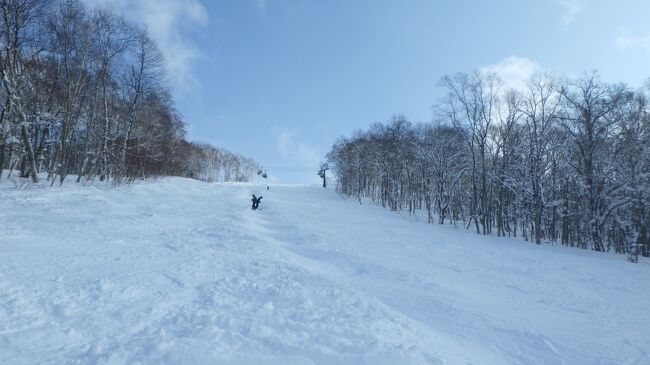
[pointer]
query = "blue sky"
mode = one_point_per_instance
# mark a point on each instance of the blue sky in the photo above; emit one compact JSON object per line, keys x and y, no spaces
{"x":280,"y":80}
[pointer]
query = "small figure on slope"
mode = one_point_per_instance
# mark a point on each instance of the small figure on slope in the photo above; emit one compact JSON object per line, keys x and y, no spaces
{"x":256,"y":202}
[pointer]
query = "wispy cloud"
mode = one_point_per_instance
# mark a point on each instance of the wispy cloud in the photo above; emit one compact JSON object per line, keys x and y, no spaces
{"x":571,"y":9}
{"x":627,"y":41}
{"x":295,"y":151}
{"x":514,"y":71}
{"x":167,"y":20}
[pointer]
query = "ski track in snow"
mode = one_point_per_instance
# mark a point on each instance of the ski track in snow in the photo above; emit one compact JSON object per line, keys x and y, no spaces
{"x":182,"y":272}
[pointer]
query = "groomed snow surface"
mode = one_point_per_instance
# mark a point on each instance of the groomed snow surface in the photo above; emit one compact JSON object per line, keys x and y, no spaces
{"x":183,"y":272}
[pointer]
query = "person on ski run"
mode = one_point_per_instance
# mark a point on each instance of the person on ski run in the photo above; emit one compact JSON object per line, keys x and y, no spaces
{"x":256,"y":202}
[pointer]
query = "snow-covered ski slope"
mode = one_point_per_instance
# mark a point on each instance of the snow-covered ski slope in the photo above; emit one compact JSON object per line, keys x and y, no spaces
{"x":182,"y":272}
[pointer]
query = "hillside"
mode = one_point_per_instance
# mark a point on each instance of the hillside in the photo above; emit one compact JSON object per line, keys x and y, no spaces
{"x":182,"y":272}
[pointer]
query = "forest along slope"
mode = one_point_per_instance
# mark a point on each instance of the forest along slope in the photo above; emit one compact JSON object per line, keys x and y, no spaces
{"x":178,"y":271}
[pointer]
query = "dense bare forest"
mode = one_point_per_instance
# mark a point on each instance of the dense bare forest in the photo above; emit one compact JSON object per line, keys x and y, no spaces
{"x":84,"y":93}
{"x":561,"y":161}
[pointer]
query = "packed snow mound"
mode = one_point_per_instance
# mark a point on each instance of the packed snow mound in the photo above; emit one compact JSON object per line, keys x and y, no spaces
{"x":182,"y":272}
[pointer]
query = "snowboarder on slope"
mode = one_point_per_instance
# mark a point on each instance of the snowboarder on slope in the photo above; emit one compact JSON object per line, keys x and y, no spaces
{"x":256,"y":202}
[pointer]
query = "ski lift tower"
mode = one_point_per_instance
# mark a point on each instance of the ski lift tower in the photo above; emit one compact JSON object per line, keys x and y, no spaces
{"x":323,"y":167}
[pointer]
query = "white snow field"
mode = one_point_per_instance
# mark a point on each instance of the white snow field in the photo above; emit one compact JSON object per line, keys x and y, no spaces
{"x":183,"y":272}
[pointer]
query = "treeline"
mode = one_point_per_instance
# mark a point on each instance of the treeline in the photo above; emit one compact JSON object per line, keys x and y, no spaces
{"x":564,"y":161}
{"x":83,"y":92}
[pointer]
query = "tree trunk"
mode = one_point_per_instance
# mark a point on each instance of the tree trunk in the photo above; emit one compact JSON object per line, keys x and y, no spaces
{"x":31,"y":160}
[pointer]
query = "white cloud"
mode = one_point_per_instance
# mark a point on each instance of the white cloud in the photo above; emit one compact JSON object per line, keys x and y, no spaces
{"x":166,"y":20}
{"x":626,"y":41}
{"x":572,"y":8}
{"x":284,"y":140}
{"x":293,"y":150}
{"x":513,"y":71}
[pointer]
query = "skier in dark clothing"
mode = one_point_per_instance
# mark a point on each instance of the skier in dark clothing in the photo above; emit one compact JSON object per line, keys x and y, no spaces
{"x":256,"y":202}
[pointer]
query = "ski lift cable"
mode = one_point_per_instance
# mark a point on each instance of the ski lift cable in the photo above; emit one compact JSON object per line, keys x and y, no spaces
{"x":288,"y":168}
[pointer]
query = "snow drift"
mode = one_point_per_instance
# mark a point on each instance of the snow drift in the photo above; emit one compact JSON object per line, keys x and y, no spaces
{"x":182,"y":272}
